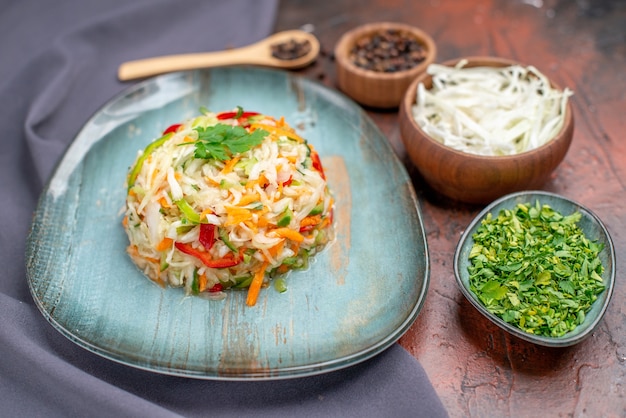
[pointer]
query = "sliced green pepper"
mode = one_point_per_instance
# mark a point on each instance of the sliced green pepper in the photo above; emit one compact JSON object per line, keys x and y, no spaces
{"x":243,"y":282}
{"x":184,"y":229}
{"x":285,"y":217}
{"x":317,"y":209}
{"x":247,"y":255}
{"x":189,"y":213}
{"x":280,"y":285}
{"x":164,"y":264}
{"x":226,"y":284}
{"x":223,"y":233}
{"x":132,"y":177}
{"x":290,"y":261}
{"x":195,"y":285}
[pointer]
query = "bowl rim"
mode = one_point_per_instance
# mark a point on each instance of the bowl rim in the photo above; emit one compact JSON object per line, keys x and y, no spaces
{"x":410,"y":97}
{"x":609,"y":275}
{"x":342,"y":48}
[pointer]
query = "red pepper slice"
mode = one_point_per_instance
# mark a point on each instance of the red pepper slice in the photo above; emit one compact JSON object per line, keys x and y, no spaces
{"x":207,"y":235}
{"x":317,"y":163}
{"x":307,"y":228}
{"x":172,"y":128}
{"x":288,"y":182}
{"x":231,"y":115}
{"x":228,"y":260}
{"x":217,"y":288}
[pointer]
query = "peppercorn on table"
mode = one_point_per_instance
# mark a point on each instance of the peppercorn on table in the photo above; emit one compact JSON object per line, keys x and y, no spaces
{"x":476,"y":368}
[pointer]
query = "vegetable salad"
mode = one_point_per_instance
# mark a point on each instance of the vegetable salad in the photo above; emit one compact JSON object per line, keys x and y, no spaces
{"x":227,"y":201}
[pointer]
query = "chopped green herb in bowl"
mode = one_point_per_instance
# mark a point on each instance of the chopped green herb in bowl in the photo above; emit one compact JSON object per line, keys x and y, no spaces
{"x":538,"y":265}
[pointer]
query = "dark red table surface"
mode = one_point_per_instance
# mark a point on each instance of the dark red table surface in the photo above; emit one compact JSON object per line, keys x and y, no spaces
{"x":477,"y":369}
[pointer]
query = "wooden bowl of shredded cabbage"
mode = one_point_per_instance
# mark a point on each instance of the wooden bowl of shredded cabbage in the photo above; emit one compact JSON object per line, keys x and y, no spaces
{"x":478,"y":128}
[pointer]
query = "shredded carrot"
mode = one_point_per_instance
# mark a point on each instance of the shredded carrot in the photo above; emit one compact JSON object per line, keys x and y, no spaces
{"x":325,"y":222}
{"x":164,"y":244}
{"x":134,"y":251}
{"x":249,"y":198}
{"x":159,"y":280}
{"x":125,"y":221}
{"x":188,"y":139}
{"x":230,"y":164}
{"x":212,"y":182}
{"x":278,"y":131}
{"x":164,"y":203}
{"x":178,"y":175}
{"x":281,"y":122}
{"x":311,"y":220}
{"x":155,"y":173}
{"x":252,"y":226}
{"x":236,"y":215}
{"x":261,"y":181}
{"x":204,"y":213}
{"x":255,"y":285}
{"x":289,"y":234}
{"x":202,"y":282}
{"x":272,"y":253}
{"x":276,"y":249}
{"x":262,"y":222}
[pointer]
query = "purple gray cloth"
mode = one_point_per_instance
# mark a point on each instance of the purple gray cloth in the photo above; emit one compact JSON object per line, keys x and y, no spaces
{"x":58,"y":65}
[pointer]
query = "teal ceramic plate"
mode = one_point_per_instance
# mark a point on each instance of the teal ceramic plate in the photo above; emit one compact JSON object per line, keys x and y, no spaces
{"x":356,"y":299}
{"x":594,"y":230}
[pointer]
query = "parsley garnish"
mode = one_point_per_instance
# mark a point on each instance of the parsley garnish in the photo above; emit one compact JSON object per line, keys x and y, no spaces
{"x":221,"y":142}
{"x":535,"y":269}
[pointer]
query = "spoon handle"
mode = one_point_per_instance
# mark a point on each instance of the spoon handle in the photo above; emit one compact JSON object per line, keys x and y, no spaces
{"x":159,"y":65}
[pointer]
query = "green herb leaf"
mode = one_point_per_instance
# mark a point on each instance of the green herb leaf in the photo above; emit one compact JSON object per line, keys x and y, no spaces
{"x":222,"y":142}
{"x":567,"y":286}
{"x":543,"y":278}
{"x":493,"y":290}
{"x":535,"y":269}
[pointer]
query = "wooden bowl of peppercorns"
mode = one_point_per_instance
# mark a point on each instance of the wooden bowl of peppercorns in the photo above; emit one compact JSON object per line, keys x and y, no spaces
{"x":376,"y":62}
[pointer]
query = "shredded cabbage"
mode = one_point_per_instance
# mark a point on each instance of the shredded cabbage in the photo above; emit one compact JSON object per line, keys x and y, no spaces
{"x":490,"y":111}
{"x":268,"y":209}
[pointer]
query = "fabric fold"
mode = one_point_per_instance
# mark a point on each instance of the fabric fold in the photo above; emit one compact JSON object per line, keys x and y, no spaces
{"x":59,"y":64}
{"x":74,"y":382}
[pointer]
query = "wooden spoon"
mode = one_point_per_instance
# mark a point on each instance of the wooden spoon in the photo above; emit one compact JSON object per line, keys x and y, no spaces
{"x":259,"y":53}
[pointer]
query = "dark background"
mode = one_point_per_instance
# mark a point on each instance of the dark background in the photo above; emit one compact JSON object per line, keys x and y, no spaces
{"x":477,"y":369}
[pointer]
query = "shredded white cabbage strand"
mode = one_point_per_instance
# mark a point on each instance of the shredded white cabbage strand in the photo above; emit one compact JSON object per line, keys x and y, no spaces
{"x":490,"y":111}
{"x":210,"y":224}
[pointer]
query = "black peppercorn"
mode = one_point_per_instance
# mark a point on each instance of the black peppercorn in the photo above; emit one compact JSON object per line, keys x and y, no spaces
{"x":388,"y":51}
{"x":291,"y":49}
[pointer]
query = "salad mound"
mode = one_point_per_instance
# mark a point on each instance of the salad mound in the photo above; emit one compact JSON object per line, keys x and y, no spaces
{"x":227,"y":200}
